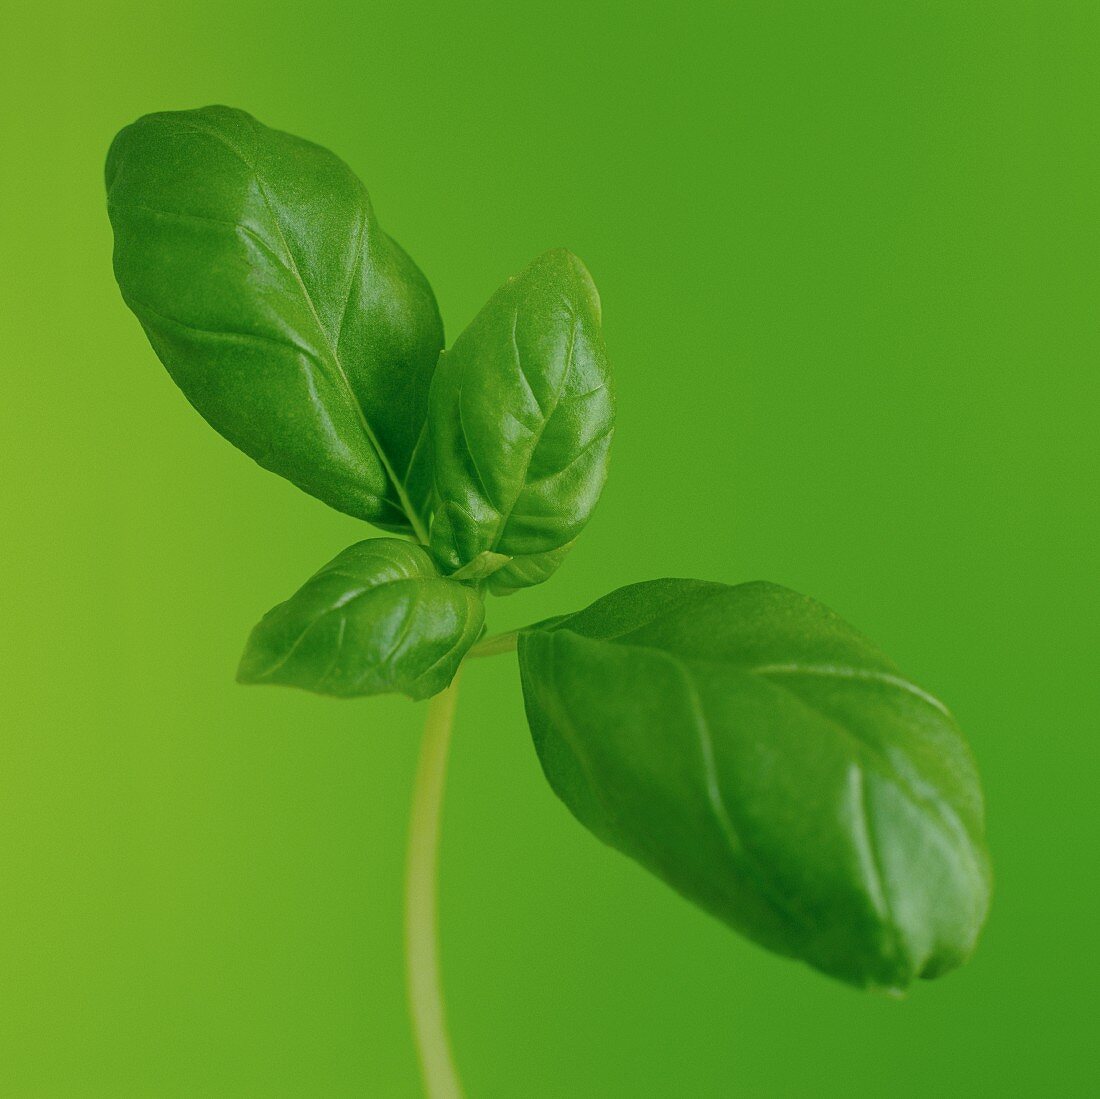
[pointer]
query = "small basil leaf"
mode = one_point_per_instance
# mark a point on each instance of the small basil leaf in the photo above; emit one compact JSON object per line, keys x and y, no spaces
{"x":482,"y":566}
{"x":377,"y":618}
{"x":764,"y":759}
{"x":520,"y":422}
{"x":290,"y":320}
{"x":528,"y":570}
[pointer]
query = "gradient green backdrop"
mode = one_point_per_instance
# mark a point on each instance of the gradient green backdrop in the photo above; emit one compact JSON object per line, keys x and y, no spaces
{"x":849,"y":261}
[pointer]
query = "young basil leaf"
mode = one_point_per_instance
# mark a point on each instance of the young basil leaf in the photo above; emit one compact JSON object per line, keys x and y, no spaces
{"x":520,"y":424}
{"x":290,"y":320}
{"x":763,"y":758}
{"x":482,"y":566}
{"x":377,"y":618}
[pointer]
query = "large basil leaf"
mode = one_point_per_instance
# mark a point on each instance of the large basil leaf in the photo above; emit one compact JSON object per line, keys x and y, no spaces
{"x":292,"y":322}
{"x":520,"y":425}
{"x":377,"y":618}
{"x":759,"y":755}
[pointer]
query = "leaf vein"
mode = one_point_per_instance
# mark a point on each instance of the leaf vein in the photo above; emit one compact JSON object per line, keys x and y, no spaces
{"x":841,"y":671}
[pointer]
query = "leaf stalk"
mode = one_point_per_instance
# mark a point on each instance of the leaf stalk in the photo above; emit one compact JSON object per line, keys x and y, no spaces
{"x":494,"y":646}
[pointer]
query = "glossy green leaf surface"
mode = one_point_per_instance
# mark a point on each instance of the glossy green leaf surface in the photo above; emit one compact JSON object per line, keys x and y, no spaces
{"x":291,"y":321}
{"x":377,"y":618}
{"x":763,"y":758}
{"x":520,"y":425}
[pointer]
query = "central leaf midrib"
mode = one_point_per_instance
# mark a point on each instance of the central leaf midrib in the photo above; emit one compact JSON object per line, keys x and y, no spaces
{"x":723,"y":818}
{"x":391,"y":473}
{"x":502,"y":524}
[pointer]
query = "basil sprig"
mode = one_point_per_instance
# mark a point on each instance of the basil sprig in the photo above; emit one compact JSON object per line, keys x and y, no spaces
{"x":742,"y":743}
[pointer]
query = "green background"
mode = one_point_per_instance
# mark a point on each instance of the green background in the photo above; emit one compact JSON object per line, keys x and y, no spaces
{"x":849,"y":260}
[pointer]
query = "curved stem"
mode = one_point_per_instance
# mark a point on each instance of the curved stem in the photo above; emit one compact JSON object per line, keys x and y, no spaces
{"x":421,"y":924}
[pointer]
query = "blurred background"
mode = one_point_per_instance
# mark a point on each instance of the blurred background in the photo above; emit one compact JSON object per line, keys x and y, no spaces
{"x":849,"y":262}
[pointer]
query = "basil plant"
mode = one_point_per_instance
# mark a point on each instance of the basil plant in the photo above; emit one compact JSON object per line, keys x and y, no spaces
{"x":742,"y":743}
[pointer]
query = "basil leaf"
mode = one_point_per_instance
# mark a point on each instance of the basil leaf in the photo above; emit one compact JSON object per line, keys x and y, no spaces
{"x":520,"y":425}
{"x":377,"y":618}
{"x":764,"y":759}
{"x":290,"y":320}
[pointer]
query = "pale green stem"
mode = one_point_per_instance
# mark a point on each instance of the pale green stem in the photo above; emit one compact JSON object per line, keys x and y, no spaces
{"x":492,"y":646}
{"x":422,"y":975}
